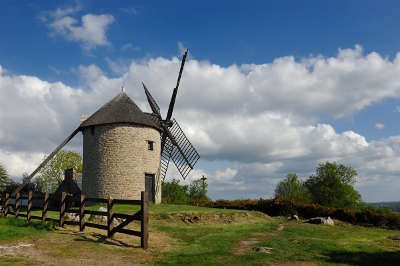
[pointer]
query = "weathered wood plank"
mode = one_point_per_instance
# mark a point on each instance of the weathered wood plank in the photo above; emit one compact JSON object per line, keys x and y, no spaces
{"x":98,"y":226}
{"x":127,"y":202}
{"x":145,"y":220}
{"x":6,"y":204}
{"x":45,"y":206}
{"x":110,"y":216}
{"x":29,"y":210}
{"x":82,"y":213}
{"x":62,"y":208}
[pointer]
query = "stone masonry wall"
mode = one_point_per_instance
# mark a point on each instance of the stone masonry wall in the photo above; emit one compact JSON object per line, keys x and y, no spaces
{"x":116,"y":158}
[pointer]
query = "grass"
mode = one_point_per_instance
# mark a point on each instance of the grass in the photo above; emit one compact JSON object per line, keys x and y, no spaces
{"x":213,"y":240}
{"x":12,"y":228}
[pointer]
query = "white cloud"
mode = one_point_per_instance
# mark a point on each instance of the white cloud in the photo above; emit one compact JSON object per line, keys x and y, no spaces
{"x":129,"y":10}
{"x":90,"y":31}
{"x":261,"y":121}
{"x":129,"y":46}
{"x":379,"y":126}
{"x":181,"y":48}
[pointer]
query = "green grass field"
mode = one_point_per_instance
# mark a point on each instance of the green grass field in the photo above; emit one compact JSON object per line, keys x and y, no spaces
{"x":208,"y":237}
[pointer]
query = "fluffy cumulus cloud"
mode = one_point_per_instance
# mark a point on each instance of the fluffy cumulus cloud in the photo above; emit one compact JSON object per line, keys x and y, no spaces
{"x":90,"y":30}
{"x":379,"y":126}
{"x":252,"y":124}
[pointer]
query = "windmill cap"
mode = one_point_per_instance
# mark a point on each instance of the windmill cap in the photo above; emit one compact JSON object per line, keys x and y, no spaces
{"x":121,"y":109}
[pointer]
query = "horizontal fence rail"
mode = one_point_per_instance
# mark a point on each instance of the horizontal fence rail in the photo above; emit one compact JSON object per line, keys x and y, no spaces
{"x":48,"y":201}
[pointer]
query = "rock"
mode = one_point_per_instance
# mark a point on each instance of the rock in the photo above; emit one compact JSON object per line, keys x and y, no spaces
{"x":321,"y":220}
{"x":293,"y":217}
{"x":72,"y":217}
{"x":102,"y":209}
{"x":265,"y":250}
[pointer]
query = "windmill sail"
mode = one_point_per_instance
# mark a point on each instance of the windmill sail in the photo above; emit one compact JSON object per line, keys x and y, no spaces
{"x":65,"y":142}
{"x":153,"y":104}
{"x":165,"y":158}
{"x":174,"y":143}
{"x":183,"y":154}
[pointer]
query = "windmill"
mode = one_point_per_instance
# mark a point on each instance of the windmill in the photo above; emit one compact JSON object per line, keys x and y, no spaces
{"x":174,"y":143}
{"x":124,"y":148}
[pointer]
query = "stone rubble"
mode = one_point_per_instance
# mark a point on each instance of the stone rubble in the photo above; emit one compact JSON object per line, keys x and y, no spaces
{"x":321,"y":220}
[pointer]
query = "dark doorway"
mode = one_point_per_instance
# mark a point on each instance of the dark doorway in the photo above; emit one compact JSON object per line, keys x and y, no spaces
{"x":150,"y":186}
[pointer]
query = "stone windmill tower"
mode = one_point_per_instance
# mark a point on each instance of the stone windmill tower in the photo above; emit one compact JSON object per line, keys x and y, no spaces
{"x":126,"y":151}
{"x":121,"y":150}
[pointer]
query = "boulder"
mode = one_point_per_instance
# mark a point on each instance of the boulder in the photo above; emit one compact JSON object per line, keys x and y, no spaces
{"x":395,"y":238}
{"x":102,"y":209}
{"x":321,"y":220}
{"x":294,"y":217}
{"x":265,"y":250}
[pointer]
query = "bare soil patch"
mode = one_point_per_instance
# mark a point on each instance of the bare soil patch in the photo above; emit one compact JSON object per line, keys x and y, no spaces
{"x":69,"y":247}
{"x":213,"y":218}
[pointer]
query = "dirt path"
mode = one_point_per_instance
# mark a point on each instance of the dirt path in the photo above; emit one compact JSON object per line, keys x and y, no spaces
{"x":246,"y":245}
{"x":68,"y":247}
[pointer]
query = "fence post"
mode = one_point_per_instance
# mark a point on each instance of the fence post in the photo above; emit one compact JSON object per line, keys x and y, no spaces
{"x":17,"y":203}
{"x":29,"y":210}
{"x":110,"y":216}
{"x":144,"y":221}
{"x":62,"y":208}
{"x":45,"y":206}
{"x":82,"y":213}
{"x":6,"y":203}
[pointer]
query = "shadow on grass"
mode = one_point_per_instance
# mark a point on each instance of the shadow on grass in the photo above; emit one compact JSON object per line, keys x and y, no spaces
{"x":365,"y":258}
{"x":99,"y":238}
{"x":18,"y":222}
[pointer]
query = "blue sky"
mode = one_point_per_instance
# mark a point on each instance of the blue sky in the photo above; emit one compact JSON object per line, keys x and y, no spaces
{"x":124,"y":40}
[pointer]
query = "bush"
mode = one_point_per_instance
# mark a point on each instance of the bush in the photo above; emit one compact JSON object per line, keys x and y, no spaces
{"x":291,"y":188}
{"x":277,"y":207}
{"x":173,"y":192}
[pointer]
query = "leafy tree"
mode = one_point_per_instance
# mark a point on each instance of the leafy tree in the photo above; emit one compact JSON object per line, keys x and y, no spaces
{"x":332,"y":185}
{"x":52,"y":174}
{"x":291,"y":188}
{"x":198,"y":190}
{"x":4,"y":180}
{"x":173,"y":192}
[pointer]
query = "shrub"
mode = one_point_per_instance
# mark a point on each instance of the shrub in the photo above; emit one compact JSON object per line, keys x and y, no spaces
{"x":277,"y":207}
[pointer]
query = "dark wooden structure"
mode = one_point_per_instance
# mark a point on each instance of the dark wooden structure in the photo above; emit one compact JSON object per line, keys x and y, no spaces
{"x":142,"y":215}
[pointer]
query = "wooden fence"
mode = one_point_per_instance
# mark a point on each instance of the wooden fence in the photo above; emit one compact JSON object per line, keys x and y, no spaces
{"x":141,"y":215}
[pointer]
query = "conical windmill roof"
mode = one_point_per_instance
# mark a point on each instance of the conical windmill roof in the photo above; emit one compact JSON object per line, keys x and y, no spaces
{"x":121,"y":109}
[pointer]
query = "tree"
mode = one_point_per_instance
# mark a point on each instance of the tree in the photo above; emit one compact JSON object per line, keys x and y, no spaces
{"x":291,"y":188}
{"x":4,"y":180}
{"x":52,"y":174}
{"x":173,"y":192}
{"x":332,"y":185}
{"x":198,"y":190}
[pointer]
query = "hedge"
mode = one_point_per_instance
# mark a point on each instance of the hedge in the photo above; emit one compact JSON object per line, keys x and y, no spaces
{"x":276,"y":207}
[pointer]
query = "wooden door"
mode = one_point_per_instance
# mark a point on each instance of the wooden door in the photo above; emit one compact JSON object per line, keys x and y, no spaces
{"x":150,"y":186}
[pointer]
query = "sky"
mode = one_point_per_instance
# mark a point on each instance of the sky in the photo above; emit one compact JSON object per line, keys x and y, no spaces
{"x":269,"y":88}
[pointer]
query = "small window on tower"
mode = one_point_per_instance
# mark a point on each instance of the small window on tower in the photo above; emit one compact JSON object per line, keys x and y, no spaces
{"x":150,"y":145}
